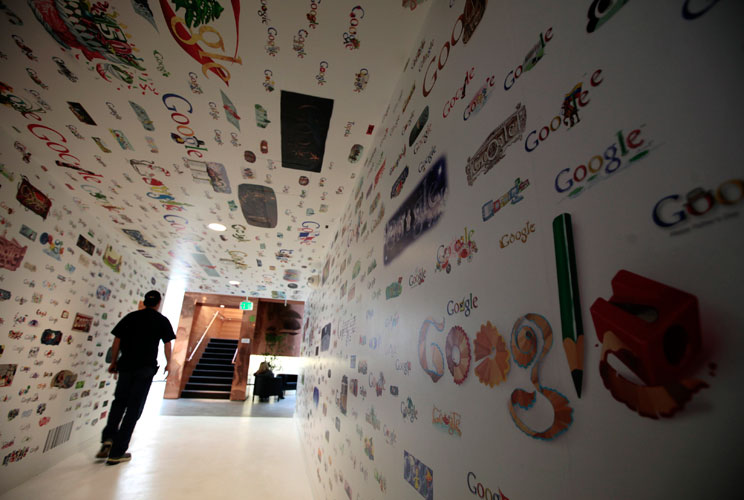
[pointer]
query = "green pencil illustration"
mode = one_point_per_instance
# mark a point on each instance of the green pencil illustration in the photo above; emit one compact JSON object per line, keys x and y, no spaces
{"x":568,"y":295}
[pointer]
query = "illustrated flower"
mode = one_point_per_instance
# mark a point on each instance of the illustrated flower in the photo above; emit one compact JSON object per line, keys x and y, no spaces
{"x":491,"y":347}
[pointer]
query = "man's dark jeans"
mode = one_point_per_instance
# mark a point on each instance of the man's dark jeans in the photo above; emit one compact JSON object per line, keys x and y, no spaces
{"x":129,"y":400}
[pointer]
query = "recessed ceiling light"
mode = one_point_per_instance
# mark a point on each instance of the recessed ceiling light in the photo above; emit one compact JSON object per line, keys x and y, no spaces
{"x":222,"y":305}
{"x":214,"y":226}
{"x":234,"y":282}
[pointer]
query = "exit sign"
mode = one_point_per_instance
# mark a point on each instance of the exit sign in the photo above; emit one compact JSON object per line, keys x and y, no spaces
{"x":246,"y":306}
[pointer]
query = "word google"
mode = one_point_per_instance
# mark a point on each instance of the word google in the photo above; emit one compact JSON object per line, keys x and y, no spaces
{"x":699,"y":202}
{"x":531,"y":143}
{"x":520,"y":235}
{"x":440,"y":65}
{"x":480,"y":491}
{"x":564,"y":181}
{"x":512,"y":196}
{"x":459,"y":94}
{"x":350,"y":39}
{"x":191,"y":142}
{"x":463,"y":306}
{"x":532,"y":58}
{"x":189,"y":41}
{"x":479,"y":99}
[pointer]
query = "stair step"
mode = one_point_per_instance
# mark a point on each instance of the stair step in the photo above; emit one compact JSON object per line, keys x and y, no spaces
{"x":199,"y":372}
{"x":218,"y":350}
{"x":218,"y":356}
{"x":195,"y":386}
{"x":205,"y":394}
{"x":225,"y":342}
{"x":203,"y":379}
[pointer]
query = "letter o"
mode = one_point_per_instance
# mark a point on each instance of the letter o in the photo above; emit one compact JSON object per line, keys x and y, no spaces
{"x":452,"y":34}
{"x":722,"y":199}
{"x":481,"y":491}
{"x":63,"y":150}
{"x":441,"y":64}
{"x":553,"y":120}
{"x":173,"y":117}
{"x":518,"y":71}
{"x":184,"y":133}
{"x":592,"y":170}
{"x":547,"y":133}
{"x":575,"y":175}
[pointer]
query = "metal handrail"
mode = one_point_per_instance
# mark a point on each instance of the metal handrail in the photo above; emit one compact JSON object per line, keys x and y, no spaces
{"x":217,"y":313}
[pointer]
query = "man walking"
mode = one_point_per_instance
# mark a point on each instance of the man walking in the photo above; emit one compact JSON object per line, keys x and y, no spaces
{"x":137,"y":336}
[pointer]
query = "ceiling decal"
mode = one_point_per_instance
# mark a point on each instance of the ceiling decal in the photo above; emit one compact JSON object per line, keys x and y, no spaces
{"x":305,"y":121}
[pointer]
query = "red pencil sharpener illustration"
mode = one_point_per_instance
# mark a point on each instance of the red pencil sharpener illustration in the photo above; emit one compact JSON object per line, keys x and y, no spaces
{"x":659,"y":325}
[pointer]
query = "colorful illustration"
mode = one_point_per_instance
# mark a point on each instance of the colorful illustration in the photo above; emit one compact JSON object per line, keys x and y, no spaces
{"x":64,"y":379}
{"x":490,"y":347}
{"x":11,"y":253}
{"x":418,"y":475}
{"x":231,"y":112}
{"x":258,"y":204}
{"x":437,"y":356}
{"x":524,"y":341}
{"x":654,"y":330}
{"x":568,"y":294}
{"x":512,"y":197}
{"x":51,"y":337}
{"x":33,"y":199}
{"x":418,"y":213}
{"x":82,"y":323}
{"x":112,"y":259}
{"x":449,"y":422}
{"x":493,"y":149}
{"x":462,"y":248}
{"x":85,"y":245}
{"x":7,"y":373}
{"x":325,"y":337}
{"x":142,"y":116}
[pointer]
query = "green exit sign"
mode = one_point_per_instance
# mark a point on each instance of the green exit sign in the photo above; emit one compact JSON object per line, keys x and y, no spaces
{"x":246,"y":306}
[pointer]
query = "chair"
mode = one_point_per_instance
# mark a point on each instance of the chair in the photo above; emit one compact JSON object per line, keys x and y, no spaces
{"x":290,"y":381}
{"x":266,"y":386}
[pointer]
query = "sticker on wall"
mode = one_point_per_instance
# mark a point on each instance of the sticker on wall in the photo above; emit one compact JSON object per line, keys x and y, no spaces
{"x":7,"y":373}
{"x":79,"y":111}
{"x":142,"y":116}
{"x":305,"y":121}
{"x":231,"y":112}
{"x":121,"y":139}
{"x":493,"y":149}
{"x":112,"y":259}
{"x":418,"y":475}
{"x":461,"y":248}
{"x":209,"y":171}
{"x":512,"y":197}
{"x":51,"y":337}
{"x":600,"y":11}
{"x":448,"y":422}
{"x":491,"y":351}
{"x":325,"y":337}
{"x":355,"y":153}
{"x":33,"y":199}
{"x":103,"y":293}
{"x":27,"y":232}
{"x":418,"y":213}
{"x":457,"y":350}
{"x":262,"y":118}
{"x":196,"y":14}
{"x":82,"y":323}
{"x":524,"y":341}
{"x":258,"y":204}
{"x":64,"y":379}
{"x":654,"y":331}
{"x":437,"y":356}
{"x":11,"y":253}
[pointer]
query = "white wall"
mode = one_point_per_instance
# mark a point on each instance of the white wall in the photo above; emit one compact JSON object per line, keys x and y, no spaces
{"x":672,"y":78}
{"x":68,"y":284}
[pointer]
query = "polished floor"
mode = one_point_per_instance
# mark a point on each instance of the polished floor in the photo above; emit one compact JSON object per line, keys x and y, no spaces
{"x":228,"y":454}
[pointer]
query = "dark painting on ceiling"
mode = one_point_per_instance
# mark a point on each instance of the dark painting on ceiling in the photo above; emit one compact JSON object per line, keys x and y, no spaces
{"x":305,"y":120}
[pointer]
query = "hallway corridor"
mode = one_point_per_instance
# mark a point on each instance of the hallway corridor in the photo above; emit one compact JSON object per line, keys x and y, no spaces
{"x":185,"y":457}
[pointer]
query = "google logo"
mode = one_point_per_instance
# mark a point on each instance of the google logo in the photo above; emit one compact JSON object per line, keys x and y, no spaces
{"x":607,"y":162}
{"x":481,"y":491}
{"x":532,"y":142}
{"x":699,"y":202}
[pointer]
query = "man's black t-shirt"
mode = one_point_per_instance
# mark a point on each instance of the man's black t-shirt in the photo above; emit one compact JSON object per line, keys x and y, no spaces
{"x":140,"y":332}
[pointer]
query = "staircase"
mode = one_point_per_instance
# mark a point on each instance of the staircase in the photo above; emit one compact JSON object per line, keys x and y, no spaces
{"x":212,"y":377}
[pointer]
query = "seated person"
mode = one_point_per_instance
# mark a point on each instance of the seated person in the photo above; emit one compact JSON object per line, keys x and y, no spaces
{"x":265,"y":371}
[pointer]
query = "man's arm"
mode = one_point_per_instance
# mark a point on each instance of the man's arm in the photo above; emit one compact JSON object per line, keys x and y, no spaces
{"x":114,"y":355}
{"x":167,"y":351}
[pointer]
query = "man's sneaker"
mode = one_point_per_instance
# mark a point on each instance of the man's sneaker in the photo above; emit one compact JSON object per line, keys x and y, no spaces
{"x":105,"y":449}
{"x":117,"y":460}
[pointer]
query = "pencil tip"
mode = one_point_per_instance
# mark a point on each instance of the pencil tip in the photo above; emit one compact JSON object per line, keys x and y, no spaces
{"x":577,"y":376}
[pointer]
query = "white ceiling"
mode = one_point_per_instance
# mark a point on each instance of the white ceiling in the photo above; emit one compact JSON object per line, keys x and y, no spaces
{"x":386,"y":31}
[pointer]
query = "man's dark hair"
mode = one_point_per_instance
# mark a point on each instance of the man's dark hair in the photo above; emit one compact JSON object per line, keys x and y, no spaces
{"x":152,"y":298}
